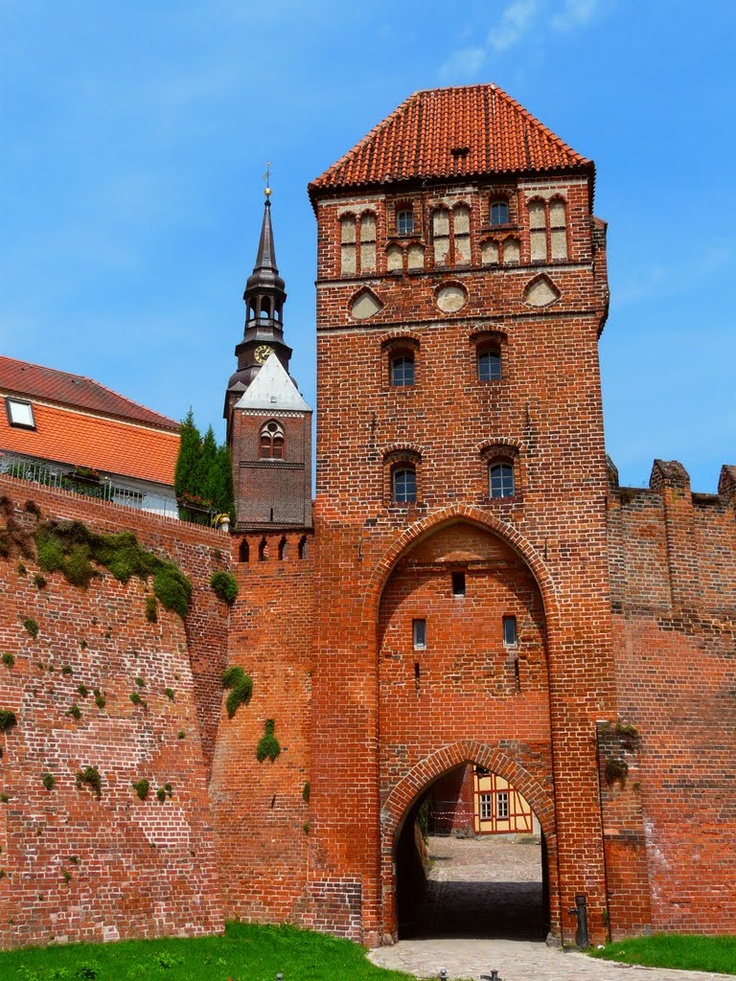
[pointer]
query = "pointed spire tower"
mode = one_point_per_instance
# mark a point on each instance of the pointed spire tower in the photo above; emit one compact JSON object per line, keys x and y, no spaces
{"x":269,"y":425}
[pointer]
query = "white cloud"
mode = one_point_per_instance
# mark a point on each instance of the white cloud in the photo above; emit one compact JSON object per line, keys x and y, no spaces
{"x":463,"y":64}
{"x":517,"y":18}
{"x":575,"y":13}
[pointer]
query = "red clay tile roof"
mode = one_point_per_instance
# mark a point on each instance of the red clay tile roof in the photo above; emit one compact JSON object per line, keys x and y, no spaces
{"x":32,"y":381}
{"x":63,"y":435}
{"x":81,"y":423}
{"x":488,"y":131}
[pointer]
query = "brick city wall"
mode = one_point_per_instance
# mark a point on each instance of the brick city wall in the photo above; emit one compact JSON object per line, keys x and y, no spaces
{"x":261,"y":808}
{"x":79,"y":866}
{"x":673,"y":577}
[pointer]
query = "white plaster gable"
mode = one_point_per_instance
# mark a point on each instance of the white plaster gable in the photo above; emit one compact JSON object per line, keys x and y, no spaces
{"x":272,"y":389}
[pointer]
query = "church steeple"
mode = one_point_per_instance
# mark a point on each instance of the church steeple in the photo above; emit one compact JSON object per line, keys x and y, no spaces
{"x":264,"y":298}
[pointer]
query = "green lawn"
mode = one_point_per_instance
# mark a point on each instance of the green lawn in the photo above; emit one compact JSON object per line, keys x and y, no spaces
{"x":684,"y":951}
{"x":244,"y":953}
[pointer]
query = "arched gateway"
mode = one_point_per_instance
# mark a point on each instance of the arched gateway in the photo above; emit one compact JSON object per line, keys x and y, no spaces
{"x":462,"y":674}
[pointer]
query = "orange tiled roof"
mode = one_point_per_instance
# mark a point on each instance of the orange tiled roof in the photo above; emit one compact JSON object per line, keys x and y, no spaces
{"x":63,"y":435}
{"x":32,"y":381}
{"x":488,"y":131}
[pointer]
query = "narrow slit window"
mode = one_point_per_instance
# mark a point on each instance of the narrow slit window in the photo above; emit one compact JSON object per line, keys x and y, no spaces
{"x":509,"y":631}
{"x":419,"y":634}
{"x":458,"y":584}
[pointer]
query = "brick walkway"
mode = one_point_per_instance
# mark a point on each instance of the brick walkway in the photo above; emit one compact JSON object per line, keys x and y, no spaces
{"x":483,"y":912}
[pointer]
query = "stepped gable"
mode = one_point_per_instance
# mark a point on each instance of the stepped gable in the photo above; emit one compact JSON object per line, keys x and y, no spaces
{"x":34,"y":381}
{"x":445,"y":133}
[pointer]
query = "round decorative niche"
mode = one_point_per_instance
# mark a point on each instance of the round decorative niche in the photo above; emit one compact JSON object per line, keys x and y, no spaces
{"x":451,"y":297}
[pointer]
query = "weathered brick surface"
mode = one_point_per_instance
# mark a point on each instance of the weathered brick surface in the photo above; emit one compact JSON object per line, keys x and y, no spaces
{"x":78,"y":866}
{"x":675,"y":641}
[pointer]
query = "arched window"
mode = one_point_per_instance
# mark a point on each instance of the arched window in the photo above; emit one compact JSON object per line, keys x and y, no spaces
{"x":501,"y":479}
{"x":244,"y":551}
{"x":499,"y":212}
{"x":404,"y":484}
{"x":405,"y":222}
{"x":489,"y":364}
{"x":272,"y":441}
{"x":402,"y":369}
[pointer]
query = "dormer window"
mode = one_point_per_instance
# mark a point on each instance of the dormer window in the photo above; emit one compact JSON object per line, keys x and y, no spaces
{"x":20,"y":413}
{"x":405,"y":222}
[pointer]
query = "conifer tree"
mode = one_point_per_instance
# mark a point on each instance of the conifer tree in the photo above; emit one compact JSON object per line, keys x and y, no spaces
{"x":186,"y":473}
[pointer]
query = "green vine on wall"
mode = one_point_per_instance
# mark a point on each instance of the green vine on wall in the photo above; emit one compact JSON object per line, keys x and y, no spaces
{"x":268,"y":745}
{"x":241,"y":689}
{"x":71,"y":548}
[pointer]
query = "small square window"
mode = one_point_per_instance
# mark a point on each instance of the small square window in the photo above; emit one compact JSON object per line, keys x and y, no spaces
{"x":20,"y":413}
{"x":419,"y":634}
{"x":458,"y":584}
{"x":509,"y":631}
{"x":405,"y":222}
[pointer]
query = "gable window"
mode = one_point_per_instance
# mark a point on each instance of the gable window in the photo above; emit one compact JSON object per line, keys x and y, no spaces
{"x":402,"y":369}
{"x":272,"y":441}
{"x":20,"y":413}
{"x":404,"y":485}
{"x":489,"y":365}
{"x":501,"y":479}
{"x":405,"y":222}
{"x":499,"y":212}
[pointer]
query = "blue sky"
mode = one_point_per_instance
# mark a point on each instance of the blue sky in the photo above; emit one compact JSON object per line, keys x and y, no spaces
{"x":135,"y":137}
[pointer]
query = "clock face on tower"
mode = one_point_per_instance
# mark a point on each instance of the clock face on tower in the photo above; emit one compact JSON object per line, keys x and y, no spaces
{"x":262,"y":352}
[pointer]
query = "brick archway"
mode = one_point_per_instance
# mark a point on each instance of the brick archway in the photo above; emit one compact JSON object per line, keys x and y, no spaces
{"x":423,"y":774}
{"x":450,"y":515}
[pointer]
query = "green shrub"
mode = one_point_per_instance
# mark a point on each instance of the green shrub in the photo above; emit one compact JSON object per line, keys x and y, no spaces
{"x":241,"y":689}
{"x":225,"y":586}
{"x":137,"y":700}
{"x":268,"y":745}
{"x":78,"y":570}
{"x":151,"y":609}
{"x":141,"y":788}
{"x":306,"y":792}
{"x":75,"y":712}
{"x":140,"y":682}
{"x":8,"y":660}
{"x":161,"y":794}
{"x":7,"y":720}
{"x":39,"y":580}
{"x":48,"y":780}
{"x":90,"y":776}
{"x":100,"y":700}
{"x":31,"y":626}
{"x":83,"y":690}
{"x":170,"y":694}
{"x":173,"y":589}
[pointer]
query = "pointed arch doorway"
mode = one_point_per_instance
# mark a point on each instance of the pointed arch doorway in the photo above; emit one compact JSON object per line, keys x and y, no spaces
{"x":452,"y":880}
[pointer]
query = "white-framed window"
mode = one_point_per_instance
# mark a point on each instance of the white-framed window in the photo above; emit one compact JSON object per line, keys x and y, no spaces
{"x":501,"y":479}
{"x":404,"y":485}
{"x":20,"y":413}
{"x":485,"y":806}
{"x":502,"y":805}
{"x":272,"y":441}
{"x":405,"y":222}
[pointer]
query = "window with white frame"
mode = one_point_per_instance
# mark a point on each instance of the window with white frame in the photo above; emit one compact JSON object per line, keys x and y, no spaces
{"x":20,"y":413}
{"x":501,"y":479}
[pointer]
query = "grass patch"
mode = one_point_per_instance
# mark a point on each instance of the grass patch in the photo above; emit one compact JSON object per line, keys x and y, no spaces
{"x":675,"y":950}
{"x":245,"y":953}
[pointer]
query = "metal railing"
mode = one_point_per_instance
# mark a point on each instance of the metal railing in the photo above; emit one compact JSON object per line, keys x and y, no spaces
{"x":85,"y":482}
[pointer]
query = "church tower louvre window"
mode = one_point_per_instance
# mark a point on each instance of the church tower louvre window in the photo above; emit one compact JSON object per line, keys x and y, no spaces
{"x":268,"y":421}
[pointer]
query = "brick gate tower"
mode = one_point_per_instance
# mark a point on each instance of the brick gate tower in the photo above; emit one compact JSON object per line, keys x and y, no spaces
{"x":463,"y":613}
